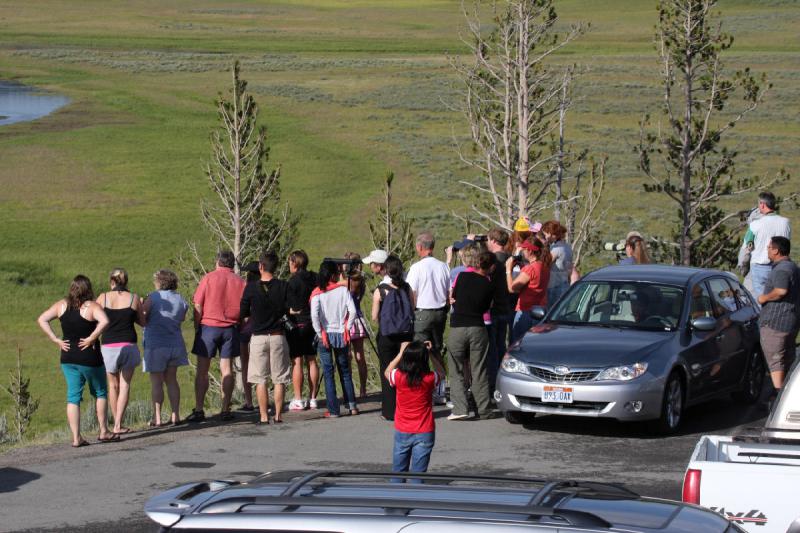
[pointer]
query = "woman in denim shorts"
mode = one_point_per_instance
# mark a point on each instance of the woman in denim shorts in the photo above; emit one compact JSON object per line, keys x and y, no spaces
{"x":164,"y":347}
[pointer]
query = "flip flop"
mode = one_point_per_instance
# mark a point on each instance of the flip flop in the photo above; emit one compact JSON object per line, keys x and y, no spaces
{"x":277,"y":421}
{"x":124,"y":431}
{"x":81,"y":444}
{"x":153,"y":424}
{"x":113,"y":438}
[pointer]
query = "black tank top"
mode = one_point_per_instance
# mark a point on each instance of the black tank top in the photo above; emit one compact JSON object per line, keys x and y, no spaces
{"x":120,"y":324}
{"x":75,"y":328}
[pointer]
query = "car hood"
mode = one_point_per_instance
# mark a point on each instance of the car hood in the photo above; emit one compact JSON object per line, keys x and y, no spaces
{"x":587,"y":346}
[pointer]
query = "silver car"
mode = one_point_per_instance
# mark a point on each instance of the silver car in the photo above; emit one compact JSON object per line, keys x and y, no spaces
{"x":368,"y":502}
{"x":636,"y":342}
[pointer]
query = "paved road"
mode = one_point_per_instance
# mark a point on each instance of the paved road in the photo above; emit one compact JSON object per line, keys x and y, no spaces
{"x":103,"y":487}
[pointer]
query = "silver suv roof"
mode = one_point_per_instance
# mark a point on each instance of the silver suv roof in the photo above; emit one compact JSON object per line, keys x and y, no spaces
{"x":358,"y":501}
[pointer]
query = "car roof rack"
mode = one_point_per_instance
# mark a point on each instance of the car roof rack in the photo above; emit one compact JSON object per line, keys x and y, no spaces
{"x":289,"y":499}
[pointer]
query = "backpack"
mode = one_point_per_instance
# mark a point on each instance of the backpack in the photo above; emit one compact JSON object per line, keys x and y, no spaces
{"x":396,"y":314}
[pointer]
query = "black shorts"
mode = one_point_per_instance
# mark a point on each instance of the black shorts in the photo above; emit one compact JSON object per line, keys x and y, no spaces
{"x":302,"y":341}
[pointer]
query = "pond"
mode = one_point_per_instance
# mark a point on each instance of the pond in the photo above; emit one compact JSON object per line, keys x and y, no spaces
{"x":22,"y":103}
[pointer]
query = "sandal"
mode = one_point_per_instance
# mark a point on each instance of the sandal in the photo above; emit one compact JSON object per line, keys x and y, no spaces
{"x":153,"y":424}
{"x":225,"y":416}
{"x":124,"y":431}
{"x":277,"y":420}
{"x":81,"y":444}
{"x":113,"y":438}
{"x":354,"y":412}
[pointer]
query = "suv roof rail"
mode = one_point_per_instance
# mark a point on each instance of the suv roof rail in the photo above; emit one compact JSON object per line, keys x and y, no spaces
{"x":298,"y":479}
{"x":292,"y":503}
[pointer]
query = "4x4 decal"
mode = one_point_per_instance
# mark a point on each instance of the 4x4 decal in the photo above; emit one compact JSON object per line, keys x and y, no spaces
{"x":753,"y":516}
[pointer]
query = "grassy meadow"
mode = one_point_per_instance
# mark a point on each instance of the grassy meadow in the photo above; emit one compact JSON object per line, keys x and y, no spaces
{"x":349,"y":89}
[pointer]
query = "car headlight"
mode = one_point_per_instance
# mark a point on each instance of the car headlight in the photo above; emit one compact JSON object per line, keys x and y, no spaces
{"x":623,"y":373}
{"x":514,"y":365}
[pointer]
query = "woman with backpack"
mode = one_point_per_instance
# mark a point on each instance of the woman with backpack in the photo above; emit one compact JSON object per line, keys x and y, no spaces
{"x":393,"y":309}
{"x":414,"y":428}
{"x":331,"y":310}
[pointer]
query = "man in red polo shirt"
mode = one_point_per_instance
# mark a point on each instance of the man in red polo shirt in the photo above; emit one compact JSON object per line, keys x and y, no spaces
{"x":216,"y":317}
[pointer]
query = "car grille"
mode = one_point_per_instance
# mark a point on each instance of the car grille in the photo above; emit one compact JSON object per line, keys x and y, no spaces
{"x":584,"y":406}
{"x":572,"y":377}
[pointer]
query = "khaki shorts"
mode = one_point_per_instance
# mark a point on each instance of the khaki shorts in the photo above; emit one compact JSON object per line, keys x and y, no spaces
{"x":778,"y":348}
{"x":269,"y":357}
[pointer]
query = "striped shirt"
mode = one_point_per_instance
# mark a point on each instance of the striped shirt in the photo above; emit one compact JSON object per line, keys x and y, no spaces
{"x":781,"y":315}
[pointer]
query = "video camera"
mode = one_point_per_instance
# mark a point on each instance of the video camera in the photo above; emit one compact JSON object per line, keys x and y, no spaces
{"x":479,"y":238}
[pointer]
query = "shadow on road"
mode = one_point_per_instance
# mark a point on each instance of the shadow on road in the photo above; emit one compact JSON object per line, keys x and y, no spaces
{"x":12,"y":479}
{"x":719,"y":416}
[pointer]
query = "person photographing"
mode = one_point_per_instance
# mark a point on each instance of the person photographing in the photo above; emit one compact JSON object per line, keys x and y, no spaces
{"x":531,"y":283}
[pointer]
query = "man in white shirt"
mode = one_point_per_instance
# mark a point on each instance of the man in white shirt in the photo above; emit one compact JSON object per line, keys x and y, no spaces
{"x":759,"y":234}
{"x":429,"y":278}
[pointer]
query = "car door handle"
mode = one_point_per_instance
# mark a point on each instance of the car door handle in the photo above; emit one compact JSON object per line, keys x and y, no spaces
{"x":720,"y":336}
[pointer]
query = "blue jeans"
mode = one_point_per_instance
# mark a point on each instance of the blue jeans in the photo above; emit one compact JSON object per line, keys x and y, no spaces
{"x":555,"y":293}
{"x":326,"y":355}
{"x":523,"y":321}
{"x":498,"y":333}
{"x":412,"y":453}
{"x":758,"y":276}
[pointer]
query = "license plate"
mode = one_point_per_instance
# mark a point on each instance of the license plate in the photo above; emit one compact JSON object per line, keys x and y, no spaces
{"x":557,"y":394}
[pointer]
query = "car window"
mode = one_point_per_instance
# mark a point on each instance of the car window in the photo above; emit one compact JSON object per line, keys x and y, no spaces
{"x":701,"y":302}
{"x":722,"y":296}
{"x":742,"y":296}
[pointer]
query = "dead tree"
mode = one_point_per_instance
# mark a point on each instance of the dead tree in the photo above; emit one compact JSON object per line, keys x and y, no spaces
{"x":511,"y":97}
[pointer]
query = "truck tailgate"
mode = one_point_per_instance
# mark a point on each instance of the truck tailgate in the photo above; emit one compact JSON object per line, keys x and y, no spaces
{"x":752,"y":484}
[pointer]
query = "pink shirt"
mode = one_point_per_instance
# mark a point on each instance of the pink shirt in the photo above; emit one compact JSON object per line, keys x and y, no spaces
{"x":220,"y":293}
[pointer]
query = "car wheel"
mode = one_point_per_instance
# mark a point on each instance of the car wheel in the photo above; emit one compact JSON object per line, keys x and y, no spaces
{"x":671,"y":406}
{"x":518,"y":417}
{"x":753,"y":381}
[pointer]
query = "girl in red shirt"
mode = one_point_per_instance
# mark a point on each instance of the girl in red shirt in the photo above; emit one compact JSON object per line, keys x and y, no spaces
{"x":415,"y":432}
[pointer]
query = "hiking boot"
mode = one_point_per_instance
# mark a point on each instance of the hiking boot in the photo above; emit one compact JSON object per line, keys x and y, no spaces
{"x":196,"y":416}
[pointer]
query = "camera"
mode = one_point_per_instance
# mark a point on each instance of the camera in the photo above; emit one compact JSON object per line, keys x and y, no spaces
{"x":345,"y":265}
{"x":478,"y":238}
{"x":287,"y":323}
{"x":519,"y":258}
{"x":614,"y":246}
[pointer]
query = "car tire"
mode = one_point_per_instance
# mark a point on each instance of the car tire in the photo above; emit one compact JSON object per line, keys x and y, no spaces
{"x":518,"y":417}
{"x":755,"y":374}
{"x":671,"y":406}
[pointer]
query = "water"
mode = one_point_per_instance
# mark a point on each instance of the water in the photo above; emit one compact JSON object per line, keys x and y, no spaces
{"x":21,"y":103}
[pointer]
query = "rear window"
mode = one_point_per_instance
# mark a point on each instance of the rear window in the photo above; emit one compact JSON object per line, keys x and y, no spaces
{"x":625,"y":512}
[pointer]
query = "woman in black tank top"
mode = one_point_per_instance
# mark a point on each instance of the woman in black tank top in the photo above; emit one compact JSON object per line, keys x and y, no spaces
{"x":120,"y":353}
{"x":82,"y":321}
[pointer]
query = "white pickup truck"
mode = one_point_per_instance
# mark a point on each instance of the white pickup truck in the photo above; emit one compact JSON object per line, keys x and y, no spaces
{"x":753,"y":480}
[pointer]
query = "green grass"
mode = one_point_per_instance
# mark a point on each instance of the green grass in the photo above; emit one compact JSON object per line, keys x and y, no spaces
{"x":348,"y":90}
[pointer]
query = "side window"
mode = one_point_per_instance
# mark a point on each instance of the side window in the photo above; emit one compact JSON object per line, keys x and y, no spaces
{"x":742,"y":295}
{"x":701,"y":302}
{"x":723,"y":297}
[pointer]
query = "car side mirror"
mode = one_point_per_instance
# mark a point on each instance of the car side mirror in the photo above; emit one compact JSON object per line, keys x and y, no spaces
{"x":704,"y":323}
{"x":537,"y":312}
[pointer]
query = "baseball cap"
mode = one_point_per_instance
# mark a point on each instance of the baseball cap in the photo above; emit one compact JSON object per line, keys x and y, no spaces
{"x":376,"y":256}
{"x":461,"y":244}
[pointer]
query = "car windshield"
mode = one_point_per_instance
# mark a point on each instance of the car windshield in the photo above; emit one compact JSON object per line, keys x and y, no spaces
{"x":628,"y":304}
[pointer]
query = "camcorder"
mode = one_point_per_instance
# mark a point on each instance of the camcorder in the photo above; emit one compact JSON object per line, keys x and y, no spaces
{"x":478,"y":238}
{"x":345,"y":265}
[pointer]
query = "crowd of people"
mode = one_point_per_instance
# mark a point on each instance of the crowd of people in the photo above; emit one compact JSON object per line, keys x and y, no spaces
{"x":283,"y":330}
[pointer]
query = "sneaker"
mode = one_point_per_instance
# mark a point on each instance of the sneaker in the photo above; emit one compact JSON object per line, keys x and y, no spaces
{"x":491,"y":415}
{"x":449,"y":404}
{"x":312,"y":403}
{"x":439,"y":400}
{"x":454,"y":416}
{"x":297,"y":405}
{"x":328,"y":414}
{"x":196,"y":416}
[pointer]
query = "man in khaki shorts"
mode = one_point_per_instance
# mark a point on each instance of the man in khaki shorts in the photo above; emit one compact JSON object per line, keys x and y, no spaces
{"x":264,"y":302}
